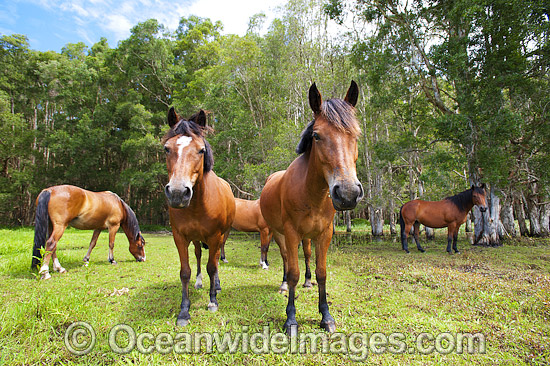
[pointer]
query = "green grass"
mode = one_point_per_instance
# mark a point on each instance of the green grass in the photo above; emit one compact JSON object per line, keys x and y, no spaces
{"x":373,"y":287}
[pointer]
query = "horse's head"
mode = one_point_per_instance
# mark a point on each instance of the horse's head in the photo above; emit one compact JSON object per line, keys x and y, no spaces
{"x":479,"y":197}
{"x":188,"y":157}
{"x":137,"y":247}
{"x":331,"y":139}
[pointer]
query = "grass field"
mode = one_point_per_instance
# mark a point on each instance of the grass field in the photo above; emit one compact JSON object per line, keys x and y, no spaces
{"x":377,"y":295}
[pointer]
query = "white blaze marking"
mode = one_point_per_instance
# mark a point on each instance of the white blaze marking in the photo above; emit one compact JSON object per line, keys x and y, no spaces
{"x":183,"y":142}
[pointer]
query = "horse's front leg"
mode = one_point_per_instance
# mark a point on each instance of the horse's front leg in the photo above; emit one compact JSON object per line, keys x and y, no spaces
{"x":198,"y":255}
{"x":455,"y":239}
{"x":451,"y":229}
{"x":93,"y":242}
{"x":321,"y":248}
{"x":214,"y":245}
{"x":265,"y":238}
{"x":306,"y":243}
{"x":182,"y":244}
{"x":292,"y":240}
{"x":112,"y":233}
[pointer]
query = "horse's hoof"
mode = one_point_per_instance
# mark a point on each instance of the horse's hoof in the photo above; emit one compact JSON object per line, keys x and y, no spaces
{"x":422,"y":250}
{"x":457,"y":252}
{"x":182,"y":322}
{"x":86,"y":263}
{"x":283,"y":288}
{"x":450,"y":253}
{"x":329,"y":326}
{"x":225,"y":260}
{"x":263,"y":265}
{"x":212,"y":307}
{"x":291,"y":330}
{"x":308,"y":284}
{"x":406,"y":251}
{"x":46,"y":276}
{"x":62,"y":270}
{"x":113,"y":262}
{"x":198,"y":285}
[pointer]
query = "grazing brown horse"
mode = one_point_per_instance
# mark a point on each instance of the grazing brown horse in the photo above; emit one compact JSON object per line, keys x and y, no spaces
{"x":301,"y":201}
{"x":202,"y":206}
{"x":450,"y":212}
{"x":60,"y":206}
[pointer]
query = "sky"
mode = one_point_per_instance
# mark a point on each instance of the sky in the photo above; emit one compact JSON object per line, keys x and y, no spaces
{"x":51,"y":24}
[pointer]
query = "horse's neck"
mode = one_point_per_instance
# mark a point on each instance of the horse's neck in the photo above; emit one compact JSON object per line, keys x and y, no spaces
{"x":199,"y":191}
{"x":315,"y":183}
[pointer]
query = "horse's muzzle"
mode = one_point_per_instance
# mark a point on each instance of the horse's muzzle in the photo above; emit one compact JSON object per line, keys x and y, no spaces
{"x":482,"y":208}
{"x":346,"y":196}
{"x":178,"y":197}
{"x":141,"y":259}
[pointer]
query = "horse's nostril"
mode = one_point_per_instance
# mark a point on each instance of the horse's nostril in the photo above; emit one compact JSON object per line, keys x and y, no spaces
{"x":187,"y":193}
{"x":167,"y":190}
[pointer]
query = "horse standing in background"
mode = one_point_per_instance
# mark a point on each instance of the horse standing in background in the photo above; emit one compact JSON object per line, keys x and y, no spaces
{"x":450,"y":213}
{"x":202,"y":206}
{"x":301,"y":201}
{"x":60,"y":206}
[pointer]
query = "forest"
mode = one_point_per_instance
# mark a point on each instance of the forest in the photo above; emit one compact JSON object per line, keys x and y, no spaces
{"x":452,"y":94}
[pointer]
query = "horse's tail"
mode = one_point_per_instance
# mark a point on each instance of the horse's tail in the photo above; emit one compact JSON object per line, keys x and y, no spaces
{"x":401,"y":221}
{"x":41,"y":223}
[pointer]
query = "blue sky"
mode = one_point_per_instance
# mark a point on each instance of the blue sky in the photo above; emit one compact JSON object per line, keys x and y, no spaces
{"x":51,"y":24}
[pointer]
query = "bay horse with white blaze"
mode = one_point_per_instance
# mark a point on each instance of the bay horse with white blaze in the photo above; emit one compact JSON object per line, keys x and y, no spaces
{"x":301,"y":201}
{"x":60,"y":206}
{"x":450,"y":213}
{"x":202,"y":206}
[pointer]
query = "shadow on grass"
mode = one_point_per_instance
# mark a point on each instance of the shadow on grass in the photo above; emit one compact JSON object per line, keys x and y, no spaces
{"x":241,"y":305}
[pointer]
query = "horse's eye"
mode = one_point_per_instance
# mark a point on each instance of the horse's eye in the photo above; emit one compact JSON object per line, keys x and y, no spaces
{"x":316,"y":136}
{"x":166,"y":150}
{"x":202,"y":151}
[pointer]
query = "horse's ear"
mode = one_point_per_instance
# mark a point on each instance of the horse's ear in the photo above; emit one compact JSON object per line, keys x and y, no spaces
{"x":473,"y":187}
{"x":173,"y":117}
{"x":352,"y":94}
{"x":315,"y":99}
{"x":482,"y":185}
{"x":199,"y":118}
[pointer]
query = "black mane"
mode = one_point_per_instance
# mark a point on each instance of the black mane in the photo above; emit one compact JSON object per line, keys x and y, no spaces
{"x":131,"y":221}
{"x":464,"y":199}
{"x":190,"y":128}
{"x":337,"y":112}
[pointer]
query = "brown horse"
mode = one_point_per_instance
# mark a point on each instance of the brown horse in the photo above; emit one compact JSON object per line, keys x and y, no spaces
{"x":60,"y":206}
{"x":202,"y":206}
{"x":248,"y":218}
{"x":450,"y":212}
{"x":301,"y":201}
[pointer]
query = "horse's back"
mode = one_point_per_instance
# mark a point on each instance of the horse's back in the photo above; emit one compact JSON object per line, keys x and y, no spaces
{"x":271,"y":200}
{"x":248,"y":215}
{"x":434,"y":214}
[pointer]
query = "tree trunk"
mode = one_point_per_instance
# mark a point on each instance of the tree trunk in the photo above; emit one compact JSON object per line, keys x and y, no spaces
{"x":468,"y":226}
{"x":545,"y":219}
{"x":520,"y":215}
{"x":430,"y":233}
{"x":507,"y":218}
{"x":534,"y":216}
{"x":347,"y":218}
{"x":376,"y":221}
{"x":487,"y":224}
{"x":393,"y":228}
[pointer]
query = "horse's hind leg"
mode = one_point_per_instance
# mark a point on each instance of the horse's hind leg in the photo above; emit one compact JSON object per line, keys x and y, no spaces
{"x":306,"y":243}
{"x":112,"y":233}
{"x":265,"y":238}
{"x":198,"y":255}
{"x":280,"y":240}
{"x":93,"y":242}
{"x":405,"y":237}
{"x":56,"y":265}
{"x":222,"y":249}
{"x":417,"y":236}
{"x":51,"y":246}
{"x":212,"y":269}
